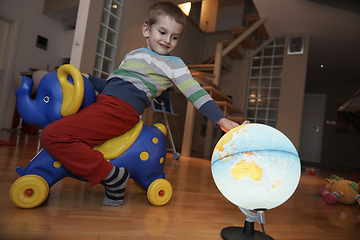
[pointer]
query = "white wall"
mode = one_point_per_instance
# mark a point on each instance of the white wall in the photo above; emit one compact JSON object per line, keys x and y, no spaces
{"x":86,"y":35}
{"x":28,"y":14}
{"x":133,"y":16}
{"x":293,"y":79}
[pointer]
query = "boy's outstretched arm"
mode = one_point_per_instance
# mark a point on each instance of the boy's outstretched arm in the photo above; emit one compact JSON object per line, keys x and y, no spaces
{"x":226,"y":124}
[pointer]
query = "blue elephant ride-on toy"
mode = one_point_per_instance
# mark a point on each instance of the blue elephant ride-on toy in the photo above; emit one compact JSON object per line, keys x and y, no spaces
{"x":142,"y":150}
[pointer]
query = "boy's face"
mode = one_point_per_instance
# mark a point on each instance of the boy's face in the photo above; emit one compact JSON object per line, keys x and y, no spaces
{"x":163,"y":35}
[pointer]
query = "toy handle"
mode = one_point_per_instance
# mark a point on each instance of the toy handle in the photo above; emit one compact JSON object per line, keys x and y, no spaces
{"x":72,"y":94}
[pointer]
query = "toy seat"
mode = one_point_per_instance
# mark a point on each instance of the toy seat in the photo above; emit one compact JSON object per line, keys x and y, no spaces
{"x":116,"y":146}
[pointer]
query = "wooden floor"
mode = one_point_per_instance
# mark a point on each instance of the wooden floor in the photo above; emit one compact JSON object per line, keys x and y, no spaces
{"x":197,"y":210}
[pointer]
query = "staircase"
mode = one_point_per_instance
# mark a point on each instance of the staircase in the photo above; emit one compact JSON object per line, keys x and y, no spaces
{"x":208,"y":74}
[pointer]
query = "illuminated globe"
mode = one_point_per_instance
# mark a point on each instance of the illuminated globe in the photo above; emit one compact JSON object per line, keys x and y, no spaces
{"x":255,"y":167}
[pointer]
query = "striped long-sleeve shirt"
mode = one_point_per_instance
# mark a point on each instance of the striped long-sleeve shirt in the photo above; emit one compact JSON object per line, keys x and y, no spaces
{"x":144,"y":75}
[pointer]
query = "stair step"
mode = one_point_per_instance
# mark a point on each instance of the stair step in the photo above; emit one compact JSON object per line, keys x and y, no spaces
{"x":247,"y":43}
{"x":233,"y":54}
{"x":202,"y":80}
{"x":228,"y":107}
{"x":209,"y":75}
{"x":216,"y":94}
{"x":208,"y":67}
{"x":261,"y":31}
{"x":201,"y":67}
{"x":239,"y":120}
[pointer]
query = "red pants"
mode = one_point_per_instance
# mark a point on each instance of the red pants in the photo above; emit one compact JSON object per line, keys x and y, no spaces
{"x":71,"y":139}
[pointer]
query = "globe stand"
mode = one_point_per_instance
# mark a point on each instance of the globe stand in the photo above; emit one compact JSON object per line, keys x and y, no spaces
{"x":248,"y":231}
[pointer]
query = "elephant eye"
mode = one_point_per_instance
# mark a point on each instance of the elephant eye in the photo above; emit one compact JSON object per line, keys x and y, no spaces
{"x":46,"y":99}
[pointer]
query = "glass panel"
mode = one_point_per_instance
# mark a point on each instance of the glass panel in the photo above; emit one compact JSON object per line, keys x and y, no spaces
{"x":107,"y":66}
{"x":96,"y":73}
{"x":261,"y":114}
{"x":105,"y":17}
{"x":272,"y":114}
{"x":278,"y":61}
{"x":272,"y":123}
{"x":116,"y":9}
{"x":252,"y":93}
{"x":104,"y":75}
{"x":262,"y":103}
{"x":277,"y":72}
{"x":256,"y":62}
{"x":111,"y":37}
{"x":266,"y":72}
{"x":267,"y":61}
{"x":279,"y":51}
{"x":252,"y":103}
{"x":255,"y":72}
{"x":275,"y":93}
{"x":268,"y":51}
{"x":261,"y":121}
{"x":107,"y":4}
{"x":273,"y":103}
{"x":100,"y":47}
{"x":254,"y":83}
{"x":265,"y":82}
{"x":114,"y":23}
{"x":98,"y":61}
{"x":276,"y":82}
{"x":251,"y":113}
{"x":102,"y":33}
{"x":264,"y":93}
{"x":109,"y":51}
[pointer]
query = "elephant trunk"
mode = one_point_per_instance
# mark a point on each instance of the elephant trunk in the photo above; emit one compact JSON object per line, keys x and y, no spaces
{"x":26,"y":106}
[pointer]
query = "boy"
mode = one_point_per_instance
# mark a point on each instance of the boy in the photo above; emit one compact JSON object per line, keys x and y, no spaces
{"x":142,"y":76}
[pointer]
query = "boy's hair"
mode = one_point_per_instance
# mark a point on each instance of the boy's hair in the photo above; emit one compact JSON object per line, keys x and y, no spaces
{"x":165,"y":9}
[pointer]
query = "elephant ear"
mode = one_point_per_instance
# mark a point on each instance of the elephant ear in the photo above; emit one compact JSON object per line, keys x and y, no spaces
{"x":72,"y":94}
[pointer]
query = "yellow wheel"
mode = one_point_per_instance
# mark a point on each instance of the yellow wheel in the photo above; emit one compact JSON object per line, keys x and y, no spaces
{"x":159,"y":192}
{"x":138,"y":188}
{"x":29,"y":191}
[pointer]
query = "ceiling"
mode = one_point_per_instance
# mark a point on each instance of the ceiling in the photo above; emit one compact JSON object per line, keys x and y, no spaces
{"x":333,"y":25}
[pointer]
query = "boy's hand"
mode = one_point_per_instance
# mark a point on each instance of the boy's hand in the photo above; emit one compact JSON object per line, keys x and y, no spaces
{"x":226,"y":124}
{"x":85,"y":75}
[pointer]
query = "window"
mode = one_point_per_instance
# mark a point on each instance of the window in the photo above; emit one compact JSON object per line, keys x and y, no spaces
{"x":106,"y":48}
{"x":264,"y":83}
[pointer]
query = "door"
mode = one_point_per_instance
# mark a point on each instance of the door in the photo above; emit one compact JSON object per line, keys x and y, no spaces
{"x":312,"y":127}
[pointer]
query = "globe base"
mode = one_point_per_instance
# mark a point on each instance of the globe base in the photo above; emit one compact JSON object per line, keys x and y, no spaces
{"x":246,"y":232}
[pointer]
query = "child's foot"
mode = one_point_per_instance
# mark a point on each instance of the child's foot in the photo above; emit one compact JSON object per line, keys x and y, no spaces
{"x":115,"y":184}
